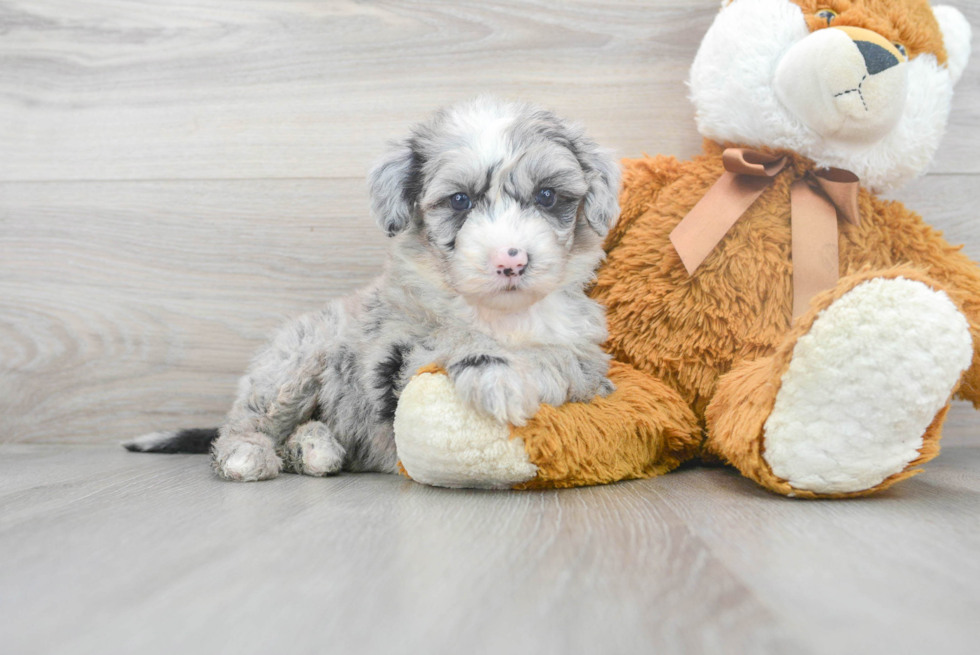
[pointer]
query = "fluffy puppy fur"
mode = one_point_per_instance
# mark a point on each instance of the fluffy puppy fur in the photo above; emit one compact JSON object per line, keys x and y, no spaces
{"x":474,"y":181}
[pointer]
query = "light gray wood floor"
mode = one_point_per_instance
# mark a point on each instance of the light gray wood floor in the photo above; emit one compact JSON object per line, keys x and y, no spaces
{"x":105,"y":551}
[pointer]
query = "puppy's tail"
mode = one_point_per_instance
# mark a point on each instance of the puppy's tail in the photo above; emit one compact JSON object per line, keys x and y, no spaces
{"x":192,"y":440}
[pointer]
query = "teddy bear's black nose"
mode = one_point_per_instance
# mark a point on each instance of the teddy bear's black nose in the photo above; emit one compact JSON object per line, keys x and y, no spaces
{"x":876,"y":58}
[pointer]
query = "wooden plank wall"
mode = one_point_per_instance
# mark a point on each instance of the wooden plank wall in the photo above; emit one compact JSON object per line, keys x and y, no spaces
{"x":176,"y":178}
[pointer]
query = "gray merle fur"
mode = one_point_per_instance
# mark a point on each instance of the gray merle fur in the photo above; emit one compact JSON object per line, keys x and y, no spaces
{"x":321,"y":396}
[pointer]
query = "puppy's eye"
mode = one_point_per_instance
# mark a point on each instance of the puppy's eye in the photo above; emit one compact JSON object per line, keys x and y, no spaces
{"x":901,"y":48}
{"x":827,"y":14}
{"x":546,"y":198}
{"x":460,"y":202}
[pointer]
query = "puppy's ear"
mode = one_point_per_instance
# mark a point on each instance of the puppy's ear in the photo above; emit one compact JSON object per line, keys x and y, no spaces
{"x":395,"y":184}
{"x":601,"y":204}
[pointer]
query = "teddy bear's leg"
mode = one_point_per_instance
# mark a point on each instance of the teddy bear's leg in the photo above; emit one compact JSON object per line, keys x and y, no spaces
{"x":855,"y":396}
{"x":947,"y":264}
{"x":642,"y":429}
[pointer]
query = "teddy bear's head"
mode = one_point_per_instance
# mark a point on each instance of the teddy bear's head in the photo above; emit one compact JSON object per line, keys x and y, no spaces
{"x":864,"y":85}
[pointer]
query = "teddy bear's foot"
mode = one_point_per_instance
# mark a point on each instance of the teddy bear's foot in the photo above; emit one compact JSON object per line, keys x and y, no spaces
{"x":855,"y":396}
{"x":441,"y":441}
{"x":863,"y":386}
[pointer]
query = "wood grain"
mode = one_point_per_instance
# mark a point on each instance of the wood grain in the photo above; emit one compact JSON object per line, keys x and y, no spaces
{"x":176,"y":178}
{"x":111,"y":552}
{"x":895,"y":570}
{"x":181,"y":178}
{"x":132,"y":306}
{"x":120,"y":89}
{"x":361,"y":563}
{"x":258,"y":89}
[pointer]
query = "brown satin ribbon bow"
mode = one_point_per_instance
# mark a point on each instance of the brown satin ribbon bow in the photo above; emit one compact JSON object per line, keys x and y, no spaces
{"x":814,"y":217}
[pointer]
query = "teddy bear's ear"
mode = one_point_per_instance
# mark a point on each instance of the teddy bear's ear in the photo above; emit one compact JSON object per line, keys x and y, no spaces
{"x":395,"y":184}
{"x":956,"y":37}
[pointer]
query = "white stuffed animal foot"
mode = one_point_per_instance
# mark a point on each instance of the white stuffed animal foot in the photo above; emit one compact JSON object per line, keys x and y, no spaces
{"x":441,"y":441}
{"x":864,"y":384}
{"x":857,"y":393}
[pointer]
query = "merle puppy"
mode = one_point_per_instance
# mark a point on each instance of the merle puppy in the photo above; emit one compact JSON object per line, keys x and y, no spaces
{"x":496,"y":212}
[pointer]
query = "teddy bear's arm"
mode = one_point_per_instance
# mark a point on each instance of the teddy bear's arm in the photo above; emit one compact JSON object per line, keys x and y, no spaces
{"x":643,"y":179}
{"x":915,"y":241}
{"x":643,"y":428}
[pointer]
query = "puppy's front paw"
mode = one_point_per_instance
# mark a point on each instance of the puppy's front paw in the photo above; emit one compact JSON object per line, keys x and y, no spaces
{"x":492,"y":385}
{"x":606,"y":387}
{"x":246,"y":458}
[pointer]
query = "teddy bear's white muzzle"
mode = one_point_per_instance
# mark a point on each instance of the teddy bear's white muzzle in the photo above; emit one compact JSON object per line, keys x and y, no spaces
{"x":847,"y":85}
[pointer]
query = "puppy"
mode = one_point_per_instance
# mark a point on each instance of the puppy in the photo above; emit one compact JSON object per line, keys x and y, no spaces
{"x":497,"y":212}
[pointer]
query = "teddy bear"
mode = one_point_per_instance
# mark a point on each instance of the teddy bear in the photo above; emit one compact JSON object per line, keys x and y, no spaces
{"x":766,"y":308}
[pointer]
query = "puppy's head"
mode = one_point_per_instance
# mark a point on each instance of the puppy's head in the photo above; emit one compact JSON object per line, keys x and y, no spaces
{"x":508,"y":200}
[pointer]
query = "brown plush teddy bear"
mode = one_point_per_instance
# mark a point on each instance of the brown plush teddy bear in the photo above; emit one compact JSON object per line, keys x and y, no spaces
{"x":766,"y":308}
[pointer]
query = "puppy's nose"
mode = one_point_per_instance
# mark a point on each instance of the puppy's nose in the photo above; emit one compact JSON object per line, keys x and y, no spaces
{"x":509,"y":262}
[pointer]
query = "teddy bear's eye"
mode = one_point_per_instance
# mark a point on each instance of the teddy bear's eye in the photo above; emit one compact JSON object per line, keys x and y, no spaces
{"x":901,"y":48}
{"x":827,"y":14}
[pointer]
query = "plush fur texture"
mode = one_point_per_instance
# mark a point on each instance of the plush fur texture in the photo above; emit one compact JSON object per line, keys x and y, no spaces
{"x":843,"y":420}
{"x":642,"y":429}
{"x":477,"y":452}
{"x":957,"y":36}
{"x":689,"y":330}
{"x":477,"y":179}
{"x":746,"y":395}
{"x":735,"y":87}
{"x":736,"y":311}
{"x":849,"y":398}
